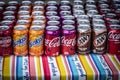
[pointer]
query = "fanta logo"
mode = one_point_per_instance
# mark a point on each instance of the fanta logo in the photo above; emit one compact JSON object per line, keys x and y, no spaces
{"x":36,"y":42}
{"x":53,"y":43}
{"x":69,"y":42}
{"x":114,"y":36}
{"x":21,"y":41}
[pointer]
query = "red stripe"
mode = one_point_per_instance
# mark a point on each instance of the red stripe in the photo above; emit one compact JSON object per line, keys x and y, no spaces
{"x":32,"y":68}
{"x":68,"y":70}
{"x":93,"y":66}
{"x":13,"y":67}
{"x":46,"y":68}
{"x":112,"y":67}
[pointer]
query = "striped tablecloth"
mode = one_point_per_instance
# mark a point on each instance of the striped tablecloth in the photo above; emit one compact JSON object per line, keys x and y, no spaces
{"x":76,"y":67}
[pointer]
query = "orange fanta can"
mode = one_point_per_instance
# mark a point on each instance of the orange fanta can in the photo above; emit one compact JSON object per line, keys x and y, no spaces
{"x":20,"y":40}
{"x":36,"y":40}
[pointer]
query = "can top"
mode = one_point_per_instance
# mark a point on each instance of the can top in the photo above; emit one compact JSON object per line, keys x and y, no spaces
{"x":9,"y":17}
{"x":78,"y":7}
{"x":51,"y":3}
{"x":51,"y":13}
{"x":65,"y":2}
{"x":3,"y":28}
{"x":36,"y":28}
{"x":104,"y":5}
{"x":53,"y":18}
{"x":51,"y":8}
{"x":52,"y":28}
{"x":8,"y":12}
{"x":36,"y":13}
{"x":6,"y":22}
{"x":22,"y":21}
{"x":68,"y":17}
{"x":113,"y":21}
{"x":83,"y":17}
{"x":115,"y":26}
{"x":24,"y":17}
{"x":78,"y":2}
{"x":26,"y":2}
{"x":98,"y":21}
{"x":90,"y":13}
{"x":11,"y":8}
{"x":24,"y":8}
{"x":12,"y":3}
{"x":39,"y":3}
{"x":37,"y":8}
{"x":97,"y":16}
{"x":53,"y":23}
{"x":68,"y":27}
{"x":99,"y":26}
{"x":65,"y":7}
{"x":90,"y":1}
{"x":39,"y":17}
{"x":83,"y":21}
{"x":110,"y":15}
{"x":65,"y":13}
{"x":20,"y":27}
{"x":23,"y":12}
{"x":68,"y":22}
{"x":117,"y":11}
{"x":1,"y":8}
{"x":39,"y":22}
{"x":2,"y":3}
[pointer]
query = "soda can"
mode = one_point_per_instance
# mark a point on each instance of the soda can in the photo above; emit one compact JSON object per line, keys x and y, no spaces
{"x":21,"y":13}
{"x":38,"y":23}
{"x":52,"y":41}
{"x":65,"y":2}
{"x":2,"y":4}
{"x":37,"y":13}
{"x":51,"y":8}
{"x":9,"y":13}
{"x":98,"y":21}
{"x":24,"y":23}
{"x":99,"y":37}
{"x":39,"y":3}
{"x":97,"y":16}
{"x":26,"y":3}
{"x":20,"y":40}
{"x":76,"y":13}
{"x":83,"y":21}
{"x":114,"y":39}
{"x":53,"y":18}
{"x":52,"y":3}
{"x":51,"y":13}
{"x":83,"y":39}
{"x":5,"y":41}
{"x":78,"y":7}
{"x":68,"y":40}
{"x":90,"y":13}
{"x":36,"y":40}
{"x":65,"y":13}
{"x":25,"y":17}
{"x":7,"y":23}
{"x":68,"y":17}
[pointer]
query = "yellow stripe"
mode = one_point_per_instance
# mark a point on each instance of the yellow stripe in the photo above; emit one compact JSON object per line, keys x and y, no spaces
{"x":86,"y":65}
{"x":6,"y":68}
{"x":61,"y":68}
{"x":115,"y":61}
{"x":38,"y":68}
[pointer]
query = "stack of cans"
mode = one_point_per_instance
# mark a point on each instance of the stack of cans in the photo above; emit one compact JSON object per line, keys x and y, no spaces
{"x":8,"y":15}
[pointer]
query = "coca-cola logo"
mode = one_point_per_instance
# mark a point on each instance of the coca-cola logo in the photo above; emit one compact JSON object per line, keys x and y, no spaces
{"x":5,"y":41}
{"x":112,"y":36}
{"x":55,"y":42}
{"x":69,"y":42}
{"x":100,"y":40}
{"x":83,"y":40}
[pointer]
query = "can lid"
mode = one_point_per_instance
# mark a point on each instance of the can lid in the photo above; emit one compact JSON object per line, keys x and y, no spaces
{"x":65,"y":13}
{"x":90,"y":13}
{"x":83,"y":26}
{"x":110,"y":15}
{"x":3,"y":28}
{"x":114,"y":26}
{"x":22,"y":21}
{"x":53,"y":18}
{"x":12,"y":2}
{"x":98,"y":21}
{"x":83,"y":17}
{"x":83,"y":21}
{"x":8,"y":12}
{"x":6,"y":22}
{"x":52,"y":28}
{"x":97,"y":16}
{"x":38,"y":3}
{"x":36,"y":28}
{"x":51,"y":8}
{"x":105,"y":10}
{"x":39,"y":17}
{"x":104,"y":5}
{"x":51,"y":3}
{"x":24,"y":17}
{"x":11,"y":8}
{"x":77,"y":2}
{"x":9,"y":17}
{"x":113,"y":21}
{"x":20,"y":27}
{"x":53,"y":23}
{"x":117,"y":10}
{"x":68,"y":22}
{"x":36,"y":13}
{"x":78,"y":7}
{"x":26,"y":2}
{"x":2,"y":3}
{"x":37,"y":8}
{"x":23,"y":12}
{"x":65,"y":7}
{"x":90,"y":2}
{"x":24,"y":8}
{"x":38,"y":22}
{"x":51,"y":13}
{"x":68,"y":17}
{"x":65,"y":2}
{"x":99,"y":26}
{"x":68,"y":27}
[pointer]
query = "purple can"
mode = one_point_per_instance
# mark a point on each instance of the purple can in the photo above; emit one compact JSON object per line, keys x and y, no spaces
{"x":68,"y":22}
{"x":53,"y":23}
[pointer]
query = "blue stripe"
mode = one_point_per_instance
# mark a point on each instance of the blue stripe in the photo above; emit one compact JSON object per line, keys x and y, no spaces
{"x":19,"y":68}
{"x":99,"y":66}
{"x":73,"y":68}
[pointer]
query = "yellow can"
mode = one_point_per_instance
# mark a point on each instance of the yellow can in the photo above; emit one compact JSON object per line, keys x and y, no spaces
{"x":36,"y":40}
{"x":20,"y":40}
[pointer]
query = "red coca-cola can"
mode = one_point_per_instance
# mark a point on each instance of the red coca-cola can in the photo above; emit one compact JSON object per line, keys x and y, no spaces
{"x":52,"y":41}
{"x":68,"y":40}
{"x":114,"y":39}
{"x":109,"y":16}
{"x":5,"y":41}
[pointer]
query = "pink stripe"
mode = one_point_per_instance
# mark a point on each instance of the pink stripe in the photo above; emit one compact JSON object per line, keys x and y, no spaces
{"x":112,"y":67}
{"x":32,"y":68}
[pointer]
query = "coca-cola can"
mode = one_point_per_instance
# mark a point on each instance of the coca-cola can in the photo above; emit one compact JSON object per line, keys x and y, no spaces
{"x":114,"y":39}
{"x":5,"y":41}
{"x":99,"y":37}
{"x":83,"y":39}
{"x":52,"y":41}
{"x":68,"y":40}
